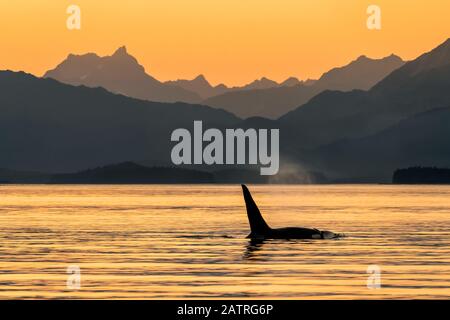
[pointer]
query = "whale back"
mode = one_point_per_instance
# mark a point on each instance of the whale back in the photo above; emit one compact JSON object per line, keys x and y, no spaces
{"x":257,"y":223}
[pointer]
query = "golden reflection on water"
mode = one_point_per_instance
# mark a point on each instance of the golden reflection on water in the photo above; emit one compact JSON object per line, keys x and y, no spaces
{"x":188,"y":241}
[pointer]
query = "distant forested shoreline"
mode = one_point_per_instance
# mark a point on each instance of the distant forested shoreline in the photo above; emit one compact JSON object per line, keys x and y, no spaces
{"x":422,"y":175}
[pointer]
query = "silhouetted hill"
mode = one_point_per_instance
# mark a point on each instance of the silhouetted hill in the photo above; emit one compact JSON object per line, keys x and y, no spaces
{"x":421,"y":175}
{"x":52,"y":127}
{"x":119,"y":73}
{"x":275,"y":101}
{"x":132,"y":173}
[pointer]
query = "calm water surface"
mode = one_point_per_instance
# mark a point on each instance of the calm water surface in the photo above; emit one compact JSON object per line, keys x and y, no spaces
{"x":188,"y":241}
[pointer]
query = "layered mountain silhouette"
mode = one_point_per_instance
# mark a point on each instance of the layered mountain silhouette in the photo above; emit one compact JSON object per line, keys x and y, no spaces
{"x":118,"y":73}
{"x":402,"y":121}
{"x":358,"y":135}
{"x":273,"y":102}
{"x":204,"y":89}
{"x":52,"y":127}
{"x":409,"y":90}
{"x":121,"y":73}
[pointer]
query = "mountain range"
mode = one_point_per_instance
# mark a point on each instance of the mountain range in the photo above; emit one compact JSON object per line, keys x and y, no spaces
{"x":402,"y":121}
{"x":121,"y":73}
{"x":273,"y":102}
{"x":359,"y":135}
{"x":48,"y":126}
{"x":205,"y":90}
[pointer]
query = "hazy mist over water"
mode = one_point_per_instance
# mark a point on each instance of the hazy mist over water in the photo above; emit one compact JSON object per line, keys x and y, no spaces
{"x":188,"y":241}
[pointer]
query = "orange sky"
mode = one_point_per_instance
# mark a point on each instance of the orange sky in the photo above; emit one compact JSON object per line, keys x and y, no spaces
{"x":230,"y":41}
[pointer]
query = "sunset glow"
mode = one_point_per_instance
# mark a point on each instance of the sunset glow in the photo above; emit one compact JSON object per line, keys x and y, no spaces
{"x":230,"y":41}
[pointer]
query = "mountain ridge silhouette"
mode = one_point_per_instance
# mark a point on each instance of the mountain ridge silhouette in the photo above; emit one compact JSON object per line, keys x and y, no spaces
{"x":53,"y":127}
{"x":122,"y":73}
{"x":48,"y":126}
{"x":361,"y":74}
{"x":118,"y":73}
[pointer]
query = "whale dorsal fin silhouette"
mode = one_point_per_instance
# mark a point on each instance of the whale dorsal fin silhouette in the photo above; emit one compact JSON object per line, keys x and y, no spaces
{"x":257,"y":224}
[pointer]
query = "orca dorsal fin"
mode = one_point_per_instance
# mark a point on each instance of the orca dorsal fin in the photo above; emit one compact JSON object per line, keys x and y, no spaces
{"x":257,"y":224}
